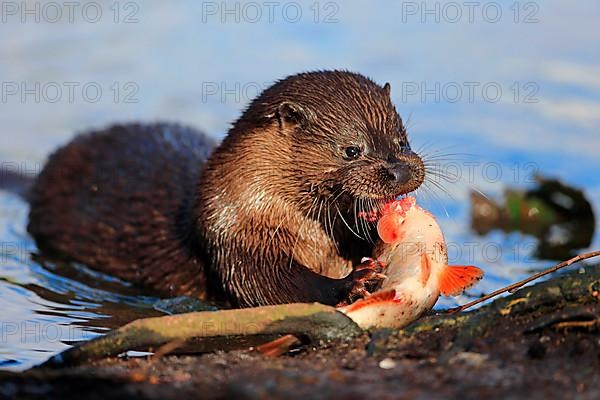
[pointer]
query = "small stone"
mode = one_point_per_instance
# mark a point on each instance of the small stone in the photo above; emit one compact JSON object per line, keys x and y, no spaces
{"x":469,"y":358}
{"x":387,"y":363}
{"x":545,"y":339}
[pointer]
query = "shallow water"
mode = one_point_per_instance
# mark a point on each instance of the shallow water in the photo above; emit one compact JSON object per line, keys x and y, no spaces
{"x":180,"y":62}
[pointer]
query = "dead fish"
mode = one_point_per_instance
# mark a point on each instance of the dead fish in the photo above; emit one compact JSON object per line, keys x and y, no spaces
{"x":415,"y":261}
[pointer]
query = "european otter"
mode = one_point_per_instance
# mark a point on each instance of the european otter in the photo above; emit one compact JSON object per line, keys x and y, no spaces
{"x":269,"y":217}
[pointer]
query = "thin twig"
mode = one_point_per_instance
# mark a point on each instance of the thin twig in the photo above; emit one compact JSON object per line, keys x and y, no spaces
{"x":514,"y":286}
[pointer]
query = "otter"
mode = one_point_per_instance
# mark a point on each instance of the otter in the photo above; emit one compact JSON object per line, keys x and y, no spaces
{"x":268,"y":216}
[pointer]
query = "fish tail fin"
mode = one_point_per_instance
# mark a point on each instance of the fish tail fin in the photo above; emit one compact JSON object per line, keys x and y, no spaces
{"x":455,"y":279}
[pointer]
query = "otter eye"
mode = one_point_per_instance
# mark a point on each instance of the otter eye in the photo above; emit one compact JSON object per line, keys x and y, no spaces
{"x":352,"y":152}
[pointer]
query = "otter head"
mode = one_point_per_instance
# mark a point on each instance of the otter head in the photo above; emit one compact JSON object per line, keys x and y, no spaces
{"x":345,"y":139}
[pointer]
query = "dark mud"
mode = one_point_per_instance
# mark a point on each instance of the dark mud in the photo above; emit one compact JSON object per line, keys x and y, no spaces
{"x":542,"y":342}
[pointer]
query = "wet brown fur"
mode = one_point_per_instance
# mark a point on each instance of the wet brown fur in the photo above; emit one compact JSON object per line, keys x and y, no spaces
{"x":119,"y":200}
{"x":272,"y":216}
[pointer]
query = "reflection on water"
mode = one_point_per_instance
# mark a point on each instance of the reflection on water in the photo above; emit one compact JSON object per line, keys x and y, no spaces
{"x":45,"y":307}
{"x":172,"y":56}
{"x":559,"y":216}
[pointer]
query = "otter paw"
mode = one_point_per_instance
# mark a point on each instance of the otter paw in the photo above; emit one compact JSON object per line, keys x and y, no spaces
{"x":365,"y":278}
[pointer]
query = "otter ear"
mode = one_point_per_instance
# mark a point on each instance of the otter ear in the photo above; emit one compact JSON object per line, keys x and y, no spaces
{"x":292,"y":114}
{"x":387,"y":88}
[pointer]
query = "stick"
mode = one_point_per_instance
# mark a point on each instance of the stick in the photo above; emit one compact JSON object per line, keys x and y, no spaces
{"x":210,"y":330}
{"x":514,"y":286}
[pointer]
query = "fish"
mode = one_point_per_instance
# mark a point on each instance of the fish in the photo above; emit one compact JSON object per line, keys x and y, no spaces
{"x":414,"y":259}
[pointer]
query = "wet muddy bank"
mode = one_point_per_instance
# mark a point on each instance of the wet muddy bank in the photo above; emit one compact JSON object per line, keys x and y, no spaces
{"x":541,"y":342}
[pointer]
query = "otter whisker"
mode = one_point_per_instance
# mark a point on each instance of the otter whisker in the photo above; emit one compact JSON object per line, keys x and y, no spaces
{"x":418,"y":192}
{"x":329,"y":231}
{"x":455,"y":156}
{"x":440,"y":165}
{"x":362,"y":211}
{"x":335,"y":239}
{"x":440,"y":187}
{"x":359,"y":221}
{"x":345,"y":223}
{"x":341,"y":192}
{"x":450,"y":178}
{"x":364,"y":222}
{"x":442,"y":150}
{"x":435,"y":170}
{"x":435,"y":197}
{"x":373,"y":205}
{"x":355,"y":211}
{"x":423,"y":194}
{"x":425,"y":148}
{"x":440,"y":159}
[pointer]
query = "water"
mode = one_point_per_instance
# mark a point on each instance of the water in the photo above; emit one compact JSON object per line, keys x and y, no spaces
{"x":174,"y":65}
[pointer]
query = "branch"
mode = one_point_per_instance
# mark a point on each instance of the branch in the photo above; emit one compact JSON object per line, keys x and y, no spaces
{"x":209,"y":330}
{"x":517,"y":285}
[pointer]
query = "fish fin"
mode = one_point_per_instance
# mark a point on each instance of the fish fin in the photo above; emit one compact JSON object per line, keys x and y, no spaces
{"x":387,"y":227}
{"x":455,"y":279}
{"x":384,"y":296}
{"x":278,"y":347}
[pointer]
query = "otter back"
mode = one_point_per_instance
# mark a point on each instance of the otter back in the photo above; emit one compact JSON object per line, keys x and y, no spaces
{"x":119,"y":200}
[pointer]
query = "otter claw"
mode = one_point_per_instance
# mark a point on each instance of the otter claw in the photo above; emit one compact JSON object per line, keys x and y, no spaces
{"x":366,"y":277}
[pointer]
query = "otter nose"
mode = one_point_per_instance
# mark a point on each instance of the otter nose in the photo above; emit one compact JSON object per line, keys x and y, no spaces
{"x":399,"y":171}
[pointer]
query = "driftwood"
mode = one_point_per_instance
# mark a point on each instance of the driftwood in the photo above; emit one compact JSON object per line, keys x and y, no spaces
{"x":212,"y":330}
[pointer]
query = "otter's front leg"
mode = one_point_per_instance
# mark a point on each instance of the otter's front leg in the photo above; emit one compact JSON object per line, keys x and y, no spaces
{"x":298,"y":283}
{"x":311,"y":286}
{"x":285,"y":282}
